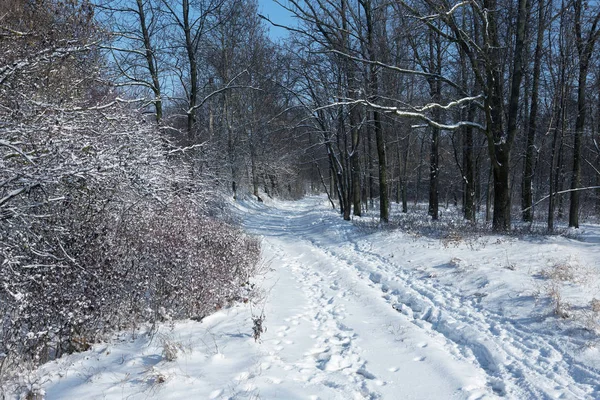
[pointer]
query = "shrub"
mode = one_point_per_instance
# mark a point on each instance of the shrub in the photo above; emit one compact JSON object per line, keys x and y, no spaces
{"x":101,"y":227}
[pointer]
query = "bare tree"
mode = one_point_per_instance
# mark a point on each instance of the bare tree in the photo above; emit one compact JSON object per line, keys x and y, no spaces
{"x":135,"y":28}
{"x":586,"y":34}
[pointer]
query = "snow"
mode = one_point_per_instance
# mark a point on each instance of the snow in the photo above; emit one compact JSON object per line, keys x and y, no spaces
{"x":357,"y":313}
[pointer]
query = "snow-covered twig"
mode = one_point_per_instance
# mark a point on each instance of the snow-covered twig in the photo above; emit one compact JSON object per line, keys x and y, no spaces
{"x":413,"y":114}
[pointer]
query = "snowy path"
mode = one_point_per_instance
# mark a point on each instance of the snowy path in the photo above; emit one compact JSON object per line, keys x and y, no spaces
{"x":351,"y":315}
{"x":458,"y":348}
{"x":347,"y":337}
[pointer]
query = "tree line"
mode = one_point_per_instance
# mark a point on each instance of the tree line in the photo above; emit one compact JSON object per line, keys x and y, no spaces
{"x":491,"y":104}
{"x":499,"y":99}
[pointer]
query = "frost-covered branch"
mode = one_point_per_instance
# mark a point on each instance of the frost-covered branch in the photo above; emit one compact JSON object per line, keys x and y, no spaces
{"x":419,"y":113}
{"x":16,"y":150}
{"x":46,"y":56}
{"x":561,"y":192}
{"x":447,"y":13}
{"x":100,"y":107}
{"x":450,"y":105}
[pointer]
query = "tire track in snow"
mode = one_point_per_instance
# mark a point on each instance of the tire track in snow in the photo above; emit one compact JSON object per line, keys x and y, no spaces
{"x":518,"y":364}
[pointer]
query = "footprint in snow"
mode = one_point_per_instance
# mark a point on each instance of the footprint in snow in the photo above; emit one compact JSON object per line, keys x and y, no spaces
{"x":421,"y":358}
{"x":364,"y":373}
{"x":422,"y":345}
{"x":244,"y":376}
{"x":265,"y":366}
{"x":273,"y":380}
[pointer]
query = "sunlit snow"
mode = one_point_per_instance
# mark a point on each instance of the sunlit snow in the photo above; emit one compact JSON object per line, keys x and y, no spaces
{"x":353,"y":312}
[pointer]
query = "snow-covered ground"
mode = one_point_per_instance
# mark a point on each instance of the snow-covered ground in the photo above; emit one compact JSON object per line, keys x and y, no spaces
{"x":357,"y":313}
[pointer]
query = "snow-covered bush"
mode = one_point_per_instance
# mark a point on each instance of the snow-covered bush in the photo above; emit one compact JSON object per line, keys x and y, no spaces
{"x":178,"y":263}
{"x":100,"y":228}
{"x":98,"y":232}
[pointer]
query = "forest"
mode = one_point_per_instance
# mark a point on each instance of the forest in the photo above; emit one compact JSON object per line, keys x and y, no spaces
{"x":491,"y":105}
{"x":127,"y":125}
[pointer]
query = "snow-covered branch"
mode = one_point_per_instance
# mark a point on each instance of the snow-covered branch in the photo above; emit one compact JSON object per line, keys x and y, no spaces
{"x":46,"y":55}
{"x":418,"y":113}
{"x":447,"y":13}
{"x":14,"y":148}
{"x":452,"y":104}
{"x":100,"y":107}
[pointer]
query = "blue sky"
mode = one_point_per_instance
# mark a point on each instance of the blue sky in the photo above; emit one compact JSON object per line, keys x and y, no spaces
{"x":277,"y":14}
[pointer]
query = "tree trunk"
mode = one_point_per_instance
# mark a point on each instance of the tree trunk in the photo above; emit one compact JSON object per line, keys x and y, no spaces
{"x":555,"y":151}
{"x":405,"y":177}
{"x":469,"y":170}
{"x":489,"y":195}
{"x":150,"y":62}
{"x":468,"y":166}
{"x":370,"y":170}
{"x":579,"y":126}
{"x":355,"y":162}
{"x":501,"y":217}
{"x":344,"y":173}
{"x":435,"y":87}
{"x":190,"y":48}
{"x":418,"y":183}
{"x":433,"y":174}
{"x":500,"y":142}
{"x":526,"y":184}
{"x":384,"y":202}
{"x":253,"y":169}
{"x":585,"y":48}
{"x":597,"y":145}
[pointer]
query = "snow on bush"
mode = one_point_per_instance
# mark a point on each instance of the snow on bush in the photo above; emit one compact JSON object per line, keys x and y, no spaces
{"x":97,"y":240}
{"x":100,"y":227}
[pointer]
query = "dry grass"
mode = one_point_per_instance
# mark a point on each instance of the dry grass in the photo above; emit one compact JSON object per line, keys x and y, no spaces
{"x":560,"y":306}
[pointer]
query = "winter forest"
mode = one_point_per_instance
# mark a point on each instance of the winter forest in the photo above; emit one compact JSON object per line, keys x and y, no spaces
{"x":157,"y":156}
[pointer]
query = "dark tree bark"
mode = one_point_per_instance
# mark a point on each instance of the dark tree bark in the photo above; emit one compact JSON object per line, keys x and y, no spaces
{"x":502,"y":159}
{"x":191,"y":50}
{"x":555,"y":159}
{"x":150,"y":61}
{"x":526,"y":184}
{"x":469,"y":169}
{"x":355,"y":161}
{"x":384,"y":202}
{"x":405,"y":177}
{"x":435,"y":87}
{"x":433,"y":209}
{"x":351,"y":82}
{"x":585,"y":47}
